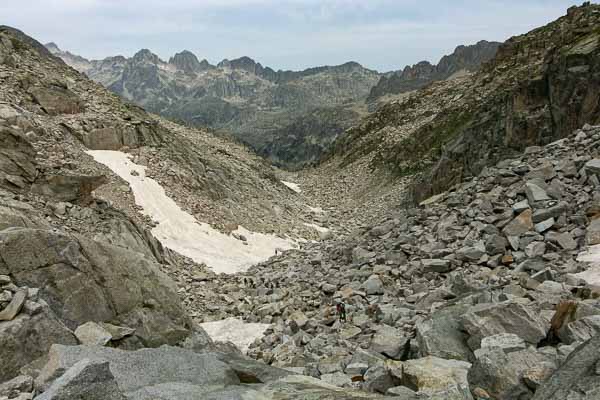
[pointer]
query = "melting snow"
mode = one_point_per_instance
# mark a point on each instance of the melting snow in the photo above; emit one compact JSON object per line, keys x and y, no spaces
{"x":294,"y":186}
{"x":591,"y":255}
{"x":592,"y":274}
{"x":233,"y":330}
{"x":317,"y":227}
{"x":181,"y":232}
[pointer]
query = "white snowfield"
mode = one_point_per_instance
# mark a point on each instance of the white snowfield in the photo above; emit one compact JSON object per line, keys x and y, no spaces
{"x":181,"y":232}
{"x":316,"y":227}
{"x":233,"y":330}
{"x":294,"y":186}
{"x":592,"y":274}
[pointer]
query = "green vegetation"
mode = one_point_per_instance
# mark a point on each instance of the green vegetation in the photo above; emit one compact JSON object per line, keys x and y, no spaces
{"x":418,"y":151}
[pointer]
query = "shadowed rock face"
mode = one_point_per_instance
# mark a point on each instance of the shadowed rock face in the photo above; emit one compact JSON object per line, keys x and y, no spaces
{"x":75,"y":188}
{"x":577,"y":377}
{"x":539,"y":87}
{"x":17,"y":163}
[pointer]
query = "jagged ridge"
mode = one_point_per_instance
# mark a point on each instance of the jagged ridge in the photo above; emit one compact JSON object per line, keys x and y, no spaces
{"x":538,"y":88}
{"x":463,"y":59}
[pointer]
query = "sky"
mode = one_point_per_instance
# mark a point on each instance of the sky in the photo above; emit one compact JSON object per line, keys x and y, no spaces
{"x":283,"y":34}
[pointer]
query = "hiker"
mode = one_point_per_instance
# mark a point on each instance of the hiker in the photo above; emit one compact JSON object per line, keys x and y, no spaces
{"x":341,"y":311}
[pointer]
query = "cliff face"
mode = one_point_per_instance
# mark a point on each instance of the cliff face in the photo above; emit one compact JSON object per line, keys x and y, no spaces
{"x":538,"y":88}
{"x":463,"y":59}
{"x":257,"y":105}
{"x":544,"y":101}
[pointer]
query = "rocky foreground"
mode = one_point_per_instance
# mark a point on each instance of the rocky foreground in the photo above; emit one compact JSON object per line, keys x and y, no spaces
{"x":481,"y":292}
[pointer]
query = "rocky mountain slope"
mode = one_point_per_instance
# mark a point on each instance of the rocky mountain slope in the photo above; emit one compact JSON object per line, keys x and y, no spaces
{"x":79,"y":264}
{"x":482,"y":292}
{"x":538,"y":88}
{"x":488,"y":290}
{"x":217,"y":181}
{"x":289,"y":117}
{"x":463,"y":60}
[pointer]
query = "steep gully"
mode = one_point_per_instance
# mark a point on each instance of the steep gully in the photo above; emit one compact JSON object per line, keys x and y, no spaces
{"x":181,"y":232}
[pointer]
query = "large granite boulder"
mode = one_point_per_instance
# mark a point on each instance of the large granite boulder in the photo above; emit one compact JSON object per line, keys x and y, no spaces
{"x":251,"y":371}
{"x":437,"y":377}
{"x":110,"y":138}
{"x":15,"y":213}
{"x":89,"y":380}
{"x":580,"y":330}
{"x":490,"y":319}
{"x":390,"y":342}
{"x":72,"y":188}
{"x":84,"y":280}
{"x":140,"y":373}
{"x":578,"y":378}
{"x":171,"y":373}
{"x":300,"y":387}
{"x":28,"y":337}
{"x":441,"y":335}
{"x":500,"y":373}
{"x":379,"y":378}
{"x":593,"y":233}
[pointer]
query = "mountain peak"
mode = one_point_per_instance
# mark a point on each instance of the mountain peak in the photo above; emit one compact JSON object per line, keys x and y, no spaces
{"x":186,"y":61}
{"x":244,"y":63}
{"x":351,"y":64}
{"x":52,"y":47}
{"x":145,"y":55}
{"x":205,"y":65}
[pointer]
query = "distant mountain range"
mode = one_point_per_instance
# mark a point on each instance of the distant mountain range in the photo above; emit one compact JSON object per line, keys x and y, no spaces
{"x":289,"y":117}
{"x":464,"y":59}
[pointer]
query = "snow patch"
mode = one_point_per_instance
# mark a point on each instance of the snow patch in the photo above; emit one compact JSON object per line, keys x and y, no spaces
{"x":181,"y":232}
{"x":591,"y":255}
{"x":236,"y":331}
{"x":294,"y":186}
{"x":316,"y":210}
{"x":592,"y":274}
{"x":317,"y":227}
